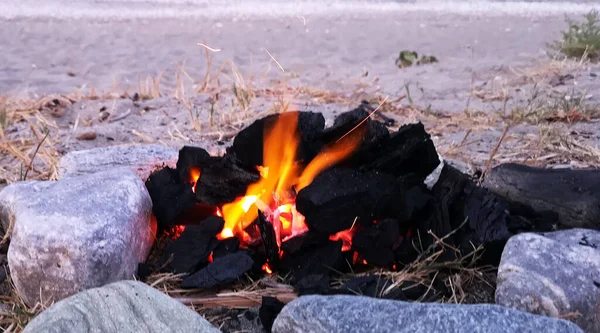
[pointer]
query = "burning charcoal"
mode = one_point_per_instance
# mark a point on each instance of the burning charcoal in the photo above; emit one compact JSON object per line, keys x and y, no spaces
{"x":195,"y":215}
{"x":222,"y":270}
{"x":169,"y":196}
{"x":375,"y":244}
{"x":336,"y":197}
{"x":314,"y":261}
{"x":269,"y":239}
{"x":374,"y":131}
{"x":410,"y":150}
{"x":248,"y":144}
{"x":491,"y":220}
{"x":313,"y":284}
{"x":193,"y":246}
{"x":573,"y":195}
{"x":416,"y":199}
{"x":226,"y":246}
{"x":189,"y":160}
{"x":303,"y":241}
{"x":222,"y":181}
{"x":269,"y":309}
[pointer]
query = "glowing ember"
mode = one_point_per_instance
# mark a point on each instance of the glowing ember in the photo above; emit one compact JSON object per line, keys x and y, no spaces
{"x":281,"y":178}
{"x":178,"y":231}
{"x":194,"y":176}
{"x":210,"y":257}
{"x":266,"y":268}
{"x":227,"y":233}
{"x":345,"y":236}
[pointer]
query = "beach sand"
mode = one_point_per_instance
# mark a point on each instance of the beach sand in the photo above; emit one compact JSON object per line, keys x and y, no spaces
{"x":493,"y":57}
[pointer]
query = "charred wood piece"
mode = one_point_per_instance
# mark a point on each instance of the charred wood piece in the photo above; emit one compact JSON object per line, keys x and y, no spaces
{"x":574,"y":195}
{"x":248,"y":144}
{"x":194,"y":245}
{"x":333,"y":201}
{"x":375,"y":244}
{"x":222,"y":181}
{"x":170,"y":197}
{"x":409,"y":150}
{"x":221,"y":271}
{"x":269,"y":239}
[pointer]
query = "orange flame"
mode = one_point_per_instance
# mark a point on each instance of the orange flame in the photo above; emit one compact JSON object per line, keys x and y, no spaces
{"x":194,"y":176}
{"x":267,"y":268}
{"x":345,"y":236}
{"x":330,"y":156}
{"x":280,"y":175}
{"x":178,"y":231}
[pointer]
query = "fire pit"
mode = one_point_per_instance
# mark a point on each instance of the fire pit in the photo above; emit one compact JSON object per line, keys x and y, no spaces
{"x":293,"y":197}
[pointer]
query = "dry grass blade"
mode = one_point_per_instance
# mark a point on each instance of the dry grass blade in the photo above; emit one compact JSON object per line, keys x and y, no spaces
{"x":277,"y":62}
{"x":493,"y":153}
{"x":367,"y":118}
{"x":142,"y":136}
{"x":37,"y":148}
{"x":208,"y":47}
{"x":8,"y":231}
{"x":15,"y":314}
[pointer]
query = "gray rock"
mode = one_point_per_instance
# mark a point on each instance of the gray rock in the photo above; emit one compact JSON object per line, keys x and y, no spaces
{"x":76,"y":233}
{"x":347,"y":314}
{"x":556,"y":274}
{"x":123,"y":307}
{"x":143,"y":159}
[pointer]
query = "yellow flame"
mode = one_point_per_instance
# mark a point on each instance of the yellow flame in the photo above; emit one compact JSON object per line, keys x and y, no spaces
{"x":330,"y":155}
{"x":267,"y":269}
{"x":227,"y":233}
{"x":248,"y":201}
{"x":280,"y":174}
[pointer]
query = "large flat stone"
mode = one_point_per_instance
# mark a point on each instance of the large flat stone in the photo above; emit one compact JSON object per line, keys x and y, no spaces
{"x":76,"y":233}
{"x":348,"y":314}
{"x":123,"y":307}
{"x":556,"y":274}
{"x":143,"y":159}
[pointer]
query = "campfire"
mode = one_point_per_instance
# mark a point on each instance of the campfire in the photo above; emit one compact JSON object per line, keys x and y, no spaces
{"x":293,"y":197}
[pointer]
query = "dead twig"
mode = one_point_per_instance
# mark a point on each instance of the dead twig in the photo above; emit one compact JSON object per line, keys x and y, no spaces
{"x":493,"y":153}
{"x":37,"y":148}
{"x":120,"y":117}
{"x":367,"y":118}
{"x":241,"y":299}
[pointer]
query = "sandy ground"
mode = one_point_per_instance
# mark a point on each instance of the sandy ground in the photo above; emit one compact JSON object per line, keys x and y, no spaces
{"x":48,"y":47}
{"x":492,"y":59}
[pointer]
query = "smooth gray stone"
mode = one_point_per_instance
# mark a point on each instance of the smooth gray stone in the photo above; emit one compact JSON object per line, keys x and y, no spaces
{"x":556,"y":274}
{"x":76,"y":233}
{"x":143,"y":159}
{"x":123,"y":307}
{"x":348,"y":314}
